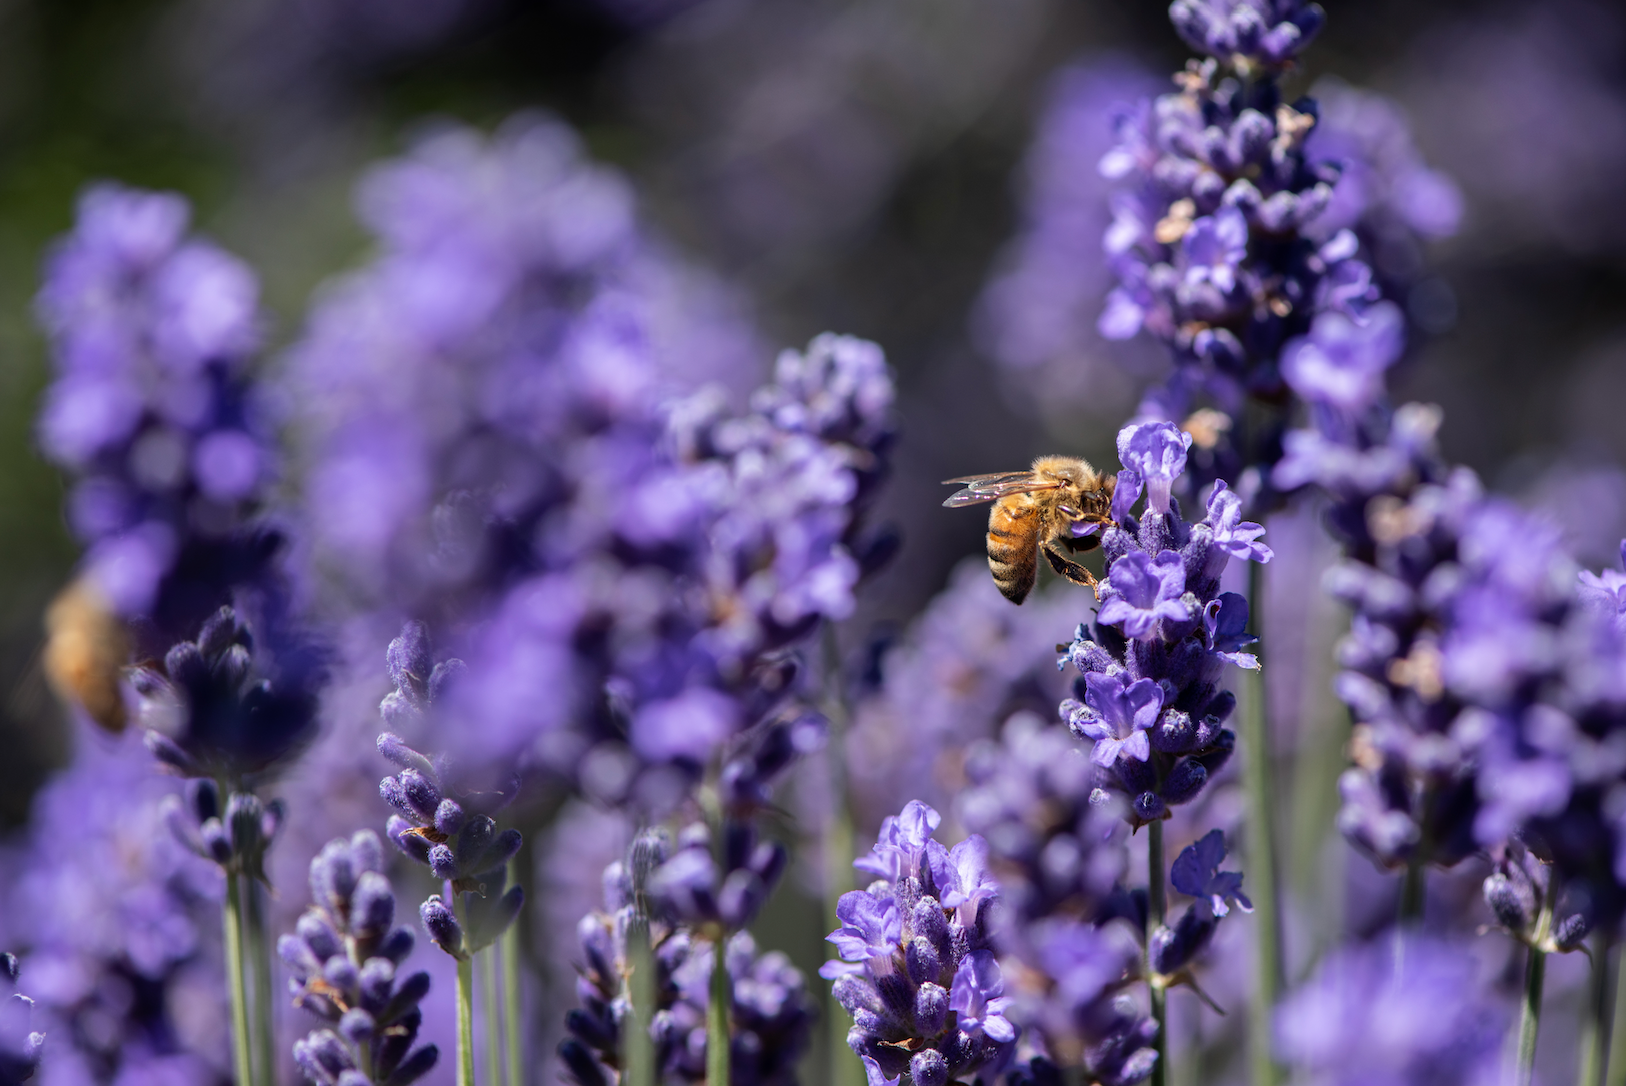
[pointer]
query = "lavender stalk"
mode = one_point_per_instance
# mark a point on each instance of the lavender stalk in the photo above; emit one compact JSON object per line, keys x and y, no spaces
{"x":508,"y":947}
{"x":1615,"y":1054}
{"x":1256,"y":777}
{"x":717,"y":1036}
{"x":1535,"y":975}
{"x":465,"y":1013}
{"x":1595,"y":1019}
{"x":1157,"y":906}
{"x":493,"y":1020}
{"x":236,"y":982}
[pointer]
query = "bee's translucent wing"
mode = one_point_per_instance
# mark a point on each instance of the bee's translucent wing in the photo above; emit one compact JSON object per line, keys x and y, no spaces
{"x":988,"y":488}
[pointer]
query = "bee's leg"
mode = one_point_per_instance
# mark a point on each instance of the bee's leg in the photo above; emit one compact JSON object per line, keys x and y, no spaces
{"x":1081,"y":543}
{"x":1069,"y":569}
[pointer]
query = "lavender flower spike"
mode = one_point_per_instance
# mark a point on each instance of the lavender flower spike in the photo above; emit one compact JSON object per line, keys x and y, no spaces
{"x":343,"y":963}
{"x":923,"y":984}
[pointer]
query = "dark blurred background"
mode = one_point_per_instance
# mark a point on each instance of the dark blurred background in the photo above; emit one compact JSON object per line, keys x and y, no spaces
{"x":852,"y":165}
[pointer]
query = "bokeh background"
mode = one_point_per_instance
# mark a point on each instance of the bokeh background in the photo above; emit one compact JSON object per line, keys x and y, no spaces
{"x":855,"y":165}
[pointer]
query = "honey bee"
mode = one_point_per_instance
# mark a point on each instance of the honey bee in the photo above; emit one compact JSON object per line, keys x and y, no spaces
{"x":1034,"y":511}
{"x":86,"y":650}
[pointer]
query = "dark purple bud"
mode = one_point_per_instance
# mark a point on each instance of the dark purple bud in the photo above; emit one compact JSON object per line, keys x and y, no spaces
{"x":1571,"y":932}
{"x":928,"y":1068}
{"x":1175,"y":732}
{"x":415,"y":1066}
{"x":768,"y":860}
{"x":218,"y":632}
{"x":931,"y":1009}
{"x":166,"y":750}
{"x":1150,"y":807}
{"x":926,"y":921}
{"x":1184,"y":782}
{"x":1219,"y":753}
{"x":449,"y":817}
{"x":233,"y":667}
{"x":407,"y":997}
{"x":296,"y":954}
{"x":319,"y":935}
{"x":408,"y":657}
{"x":366,"y":851}
{"x":445,"y":675}
{"x":401,"y":833}
{"x":473,"y":841}
{"x":203,"y":797}
{"x":244,"y":816}
{"x":394,"y":748}
{"x":341,"y":973}
{"x":185,"y":665}
{"x":1512,"y":901}
{"x":422,"y":795}
{"x":1136,"y":776}
{"x":923,"y":960}
{"x":443,"y":928}
{"x":357,"y":1026}
{"x":581,"y":1064}
{"x":443,"y":862}
{"x":376,"y":978}
{"x":503,"y":849}
{"x":372,"y":910}
{"x":327,"y":1052}
{"x":397,"y":945}
{"x":216,"y":841}
{"x":1172,"y":949}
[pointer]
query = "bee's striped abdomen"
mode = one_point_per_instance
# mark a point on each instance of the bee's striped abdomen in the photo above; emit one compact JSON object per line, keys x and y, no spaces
{"x":1013,"y":547}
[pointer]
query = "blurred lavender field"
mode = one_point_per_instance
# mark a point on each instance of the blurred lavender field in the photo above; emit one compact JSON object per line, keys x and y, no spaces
{"x":479,"y":306}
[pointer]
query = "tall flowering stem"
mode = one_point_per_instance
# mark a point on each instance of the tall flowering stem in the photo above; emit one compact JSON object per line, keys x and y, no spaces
{"x":1262,"y":856}
{"x":1157,"y":910}
{"x":237,"y":981}
{"x":512,"y":1005}
{"x":718,"y":1040}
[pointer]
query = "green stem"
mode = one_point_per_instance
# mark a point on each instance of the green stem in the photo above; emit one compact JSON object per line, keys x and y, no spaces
{"x":1157,"y":910}
{"x":1535,"y":974}
{"x":718,"y":1041}
{"x":465,"y":1004}
{"x":638,"y":1051}
{"x":488,"y":1010}
{"x":1616,"y":1050}
{"x":259,"y":965}
{"x":845,"y":1068}
{"x":1256,"y":774}
{"x":1595,"y":1023}
{"x":512,"y":1010}
{"x":1413,"y":893}
{"x":236,"y":984}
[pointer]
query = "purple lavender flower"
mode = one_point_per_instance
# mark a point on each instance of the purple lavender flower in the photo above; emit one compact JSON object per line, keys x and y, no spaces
{"x":20,"y":1044}
{"x":771,"y":1013}
{"x":344,"y":963}
{"x":1057,"y":845}
{"x":1342,"y":362}
{"x":150,"y":332}
{"x":1116,"y":716}
{"x":1196,"y":872}
{"x":1147,"y":693}
{"x":1361,"y":1019}
{"x":1263,"y":32}
{"x":1156,"y":453}
{"x":908,"y":959}
{"x":706,"y":896}
{"x":228,"y":705}
{"x":123,"y":908}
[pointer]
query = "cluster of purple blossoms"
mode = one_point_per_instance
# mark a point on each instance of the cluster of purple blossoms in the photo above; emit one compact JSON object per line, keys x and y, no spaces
{"x":1056,"y":845}
{"x":1236,"y":230}
{"x":20,"y":1043}
{"x":117,"y":925}
{"x":1413,"y":1015}
{"x":918,"y":970}
{"x":770,"y":1013}
{"x":1148,"y":695}
{"x":344,"y":963}
{"x":151,"y":331}
{"x":1485,"y":692}
{"x":440,"y":824}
